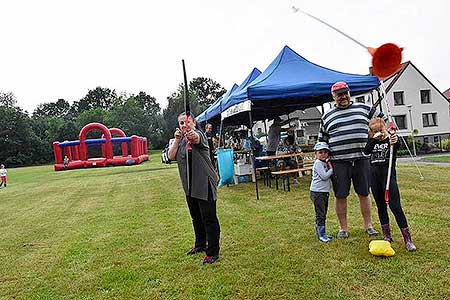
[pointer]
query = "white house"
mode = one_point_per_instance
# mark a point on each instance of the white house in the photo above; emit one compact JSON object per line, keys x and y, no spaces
{"x":306,"y":124}
{"x":415,"y":104}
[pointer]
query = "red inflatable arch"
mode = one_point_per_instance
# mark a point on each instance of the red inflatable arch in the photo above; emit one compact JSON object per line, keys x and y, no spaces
{"x":120,"y":133}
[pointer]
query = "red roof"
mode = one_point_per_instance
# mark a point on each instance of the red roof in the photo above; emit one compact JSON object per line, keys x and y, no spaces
{"x":447,"y":94}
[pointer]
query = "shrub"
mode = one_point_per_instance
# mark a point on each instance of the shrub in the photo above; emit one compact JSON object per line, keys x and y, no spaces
{"x":402,"y":152}
{"x":445,"y":144}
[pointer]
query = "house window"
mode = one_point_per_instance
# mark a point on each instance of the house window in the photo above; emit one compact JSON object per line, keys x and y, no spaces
{"x":398,"y":98}
{"x":425,"y":96}
{"x":429,"y":119}
{"x":436,"y":139}
{"x":360,"y":99}
{"x":425,"y":140}
{"x":400,"y":121}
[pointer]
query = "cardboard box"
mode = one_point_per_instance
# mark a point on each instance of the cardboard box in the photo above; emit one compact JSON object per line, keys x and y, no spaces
{"x":242,"y":169}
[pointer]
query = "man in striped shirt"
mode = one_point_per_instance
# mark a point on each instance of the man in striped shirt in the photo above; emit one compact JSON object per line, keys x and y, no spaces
{"x":345,"y":129}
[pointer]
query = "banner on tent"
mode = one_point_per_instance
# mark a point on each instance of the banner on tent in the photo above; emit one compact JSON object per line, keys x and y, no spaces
{"x":238,"y":108}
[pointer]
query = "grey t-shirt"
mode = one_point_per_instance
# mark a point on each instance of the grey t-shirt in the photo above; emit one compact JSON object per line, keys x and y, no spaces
{"x":202,"y":170}
{"x":321,"y":181}
{"x":274,"y":137}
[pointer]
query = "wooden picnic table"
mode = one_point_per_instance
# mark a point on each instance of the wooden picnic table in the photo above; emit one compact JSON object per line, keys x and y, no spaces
{"x":279,"y":156}
{"x":307,"y":159}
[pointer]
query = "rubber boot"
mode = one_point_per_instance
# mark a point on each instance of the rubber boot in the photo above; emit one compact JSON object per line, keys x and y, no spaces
{"x":408,"y":242}
{"x":387,"y":233}
{"x":321,"y":234}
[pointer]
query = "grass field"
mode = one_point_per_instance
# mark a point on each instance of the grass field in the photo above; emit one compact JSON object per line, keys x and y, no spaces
{"x":122,"y":233}
{"x":438,"y":158}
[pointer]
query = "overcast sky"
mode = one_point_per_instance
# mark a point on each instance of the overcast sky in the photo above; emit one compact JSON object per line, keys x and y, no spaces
{"x":53,"y":49}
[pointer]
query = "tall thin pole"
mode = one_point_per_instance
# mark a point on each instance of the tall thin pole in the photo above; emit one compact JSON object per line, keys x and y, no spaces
{"x":412,"y":130}
{"x":187,"y":111}
{"x":251,"y":152}
{"x":221,"y":135}
{"x":265,"y":130}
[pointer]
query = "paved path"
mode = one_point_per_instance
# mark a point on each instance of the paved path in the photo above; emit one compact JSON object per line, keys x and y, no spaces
{"x":420,"y":159}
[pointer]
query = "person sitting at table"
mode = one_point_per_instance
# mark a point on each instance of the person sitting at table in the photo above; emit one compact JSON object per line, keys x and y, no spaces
{"x":289,"y":163}
{"x":216,"y":141}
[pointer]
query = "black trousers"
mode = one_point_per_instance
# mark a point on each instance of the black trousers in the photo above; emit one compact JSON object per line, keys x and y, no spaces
{"x":378,"y":177}
{"x":320,"y":200}
{"x":205,"y":223}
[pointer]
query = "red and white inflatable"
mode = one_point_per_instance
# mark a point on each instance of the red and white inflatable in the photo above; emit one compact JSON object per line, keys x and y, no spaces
{"x":77,"y":151}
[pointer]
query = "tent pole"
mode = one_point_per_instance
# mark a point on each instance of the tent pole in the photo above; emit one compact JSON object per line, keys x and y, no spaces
{"x":265,"y":129}
{"x":220,"y":133}
{"x":252,"y":154}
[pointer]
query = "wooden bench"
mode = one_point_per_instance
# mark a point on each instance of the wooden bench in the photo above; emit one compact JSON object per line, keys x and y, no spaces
{"x":285,"y":175}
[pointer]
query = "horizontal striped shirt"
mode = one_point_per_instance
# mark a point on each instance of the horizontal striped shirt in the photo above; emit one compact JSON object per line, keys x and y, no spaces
{"x":346,"y":130}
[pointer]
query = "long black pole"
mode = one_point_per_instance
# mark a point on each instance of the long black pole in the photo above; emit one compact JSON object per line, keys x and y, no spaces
{"x":187,"y":111}
{"x":265,"y":130}
{"x":252,"y":156}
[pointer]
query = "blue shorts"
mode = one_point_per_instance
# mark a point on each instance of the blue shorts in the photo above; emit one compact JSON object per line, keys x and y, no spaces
{"x":347,"y":171}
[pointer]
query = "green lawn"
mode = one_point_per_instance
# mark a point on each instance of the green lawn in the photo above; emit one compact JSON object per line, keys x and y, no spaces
{"x":445,"y":159}
{"x":122,"y":233}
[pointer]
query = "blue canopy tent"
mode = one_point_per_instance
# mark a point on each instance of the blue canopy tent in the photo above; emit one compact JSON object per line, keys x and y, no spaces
{"x":202,"y":117}
{"x":290,"y":83}
{"x":212,"y":113}
{"x":226,"y":103}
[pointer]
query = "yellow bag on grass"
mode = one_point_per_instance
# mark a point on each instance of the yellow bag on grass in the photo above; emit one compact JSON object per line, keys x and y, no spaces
{"x":381,"y":248}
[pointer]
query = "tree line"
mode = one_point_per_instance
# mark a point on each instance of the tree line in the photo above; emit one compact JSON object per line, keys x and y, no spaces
{"x":26,"y":139}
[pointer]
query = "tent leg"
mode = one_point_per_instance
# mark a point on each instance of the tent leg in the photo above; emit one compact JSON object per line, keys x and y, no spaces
{"x":220,"y":134}
{"x":252,"y":156}
{"x":265,"y":130}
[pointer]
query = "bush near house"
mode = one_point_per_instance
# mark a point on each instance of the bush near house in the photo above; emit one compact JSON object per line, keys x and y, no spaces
{"x":445,"y":144}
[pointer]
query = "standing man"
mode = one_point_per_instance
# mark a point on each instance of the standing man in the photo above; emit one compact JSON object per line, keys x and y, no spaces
{"x":190,"y":150}
{"x":274,"y":135}
{"x":210,"y":136}
{"x":345,"y":129}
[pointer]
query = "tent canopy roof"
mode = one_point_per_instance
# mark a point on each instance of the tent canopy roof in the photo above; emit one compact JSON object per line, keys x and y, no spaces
{"x":222,"y":103}
{"x":291,"y":82}
{"x":215,"y":109}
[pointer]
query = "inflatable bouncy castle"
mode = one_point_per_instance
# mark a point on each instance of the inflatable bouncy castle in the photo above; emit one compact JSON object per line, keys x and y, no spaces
{"x":77,"y":151}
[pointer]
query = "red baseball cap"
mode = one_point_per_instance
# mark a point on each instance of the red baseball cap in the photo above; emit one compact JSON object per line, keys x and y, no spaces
{"x":339,"y":87}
